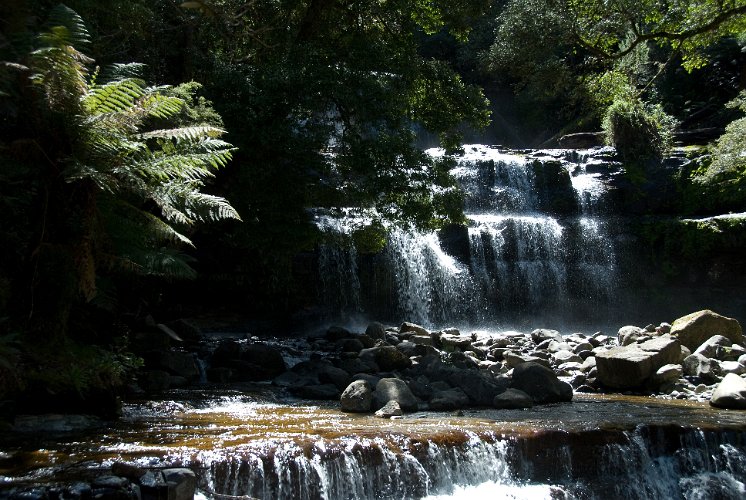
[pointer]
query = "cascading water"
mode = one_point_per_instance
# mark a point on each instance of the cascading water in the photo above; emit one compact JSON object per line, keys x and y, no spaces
{"x":537,"y":241}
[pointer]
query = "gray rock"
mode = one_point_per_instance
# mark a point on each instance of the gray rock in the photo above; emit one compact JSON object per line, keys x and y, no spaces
{"x":540,"y":383}
{"x":588,"y":364}
{"x":350,"y":345}
{"x":666,"y":375}
{"x":714,"y":347}
{"x":742,"y":359}
{"x":480,"y":388}
{"x":183,"y":364}
{"x":293,"y":379}
{"x":555,"y":346}
{"x":390,"y":409}
{"x":512,"y":399}
{"x":357,"y":365}
{"x":630,"y":366}
{"x":700,"y":367}
{"x":541,"y":334}
{"x":582,"y":346}
{"x":730,"y":393}
{"x":414,"y":328}
{"x":629,"y":334}
{"x":182,"y":483}
{"x":268,"y":362}
{"x":732,"y":367}
{"x":693,"y":329}
{"x":336,"y":333}
{"x":376,"y":331}
{"x":357,"y":397}
{"x":387,"y":358}
{"x":513,"y":359}
{"x":421,"y":339}
{"x":561,"y":357}
{"x":451,"y":342}
{"x":395,"y":389}
{"x":449,"y":399}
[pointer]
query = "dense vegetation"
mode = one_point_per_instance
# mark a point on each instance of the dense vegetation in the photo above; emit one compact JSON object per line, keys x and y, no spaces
{"x":115,"y":180}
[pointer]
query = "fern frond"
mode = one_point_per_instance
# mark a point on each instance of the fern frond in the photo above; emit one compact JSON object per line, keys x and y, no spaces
{"x":75,"y":33}
{"x":184,"y":133}
{"x":114,"y":97}
{"x":209,"y":208}
{"x":161,"y":106}
{"x":120,"y":71}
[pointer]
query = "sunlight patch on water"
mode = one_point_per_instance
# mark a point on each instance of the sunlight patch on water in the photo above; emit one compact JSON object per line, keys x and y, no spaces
{"x":491,"y":490}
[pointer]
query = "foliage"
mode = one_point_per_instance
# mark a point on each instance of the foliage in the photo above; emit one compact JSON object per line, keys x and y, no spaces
{"x":120,"y":171}
{"x":639,"y":132}
{"x":724,"y":177}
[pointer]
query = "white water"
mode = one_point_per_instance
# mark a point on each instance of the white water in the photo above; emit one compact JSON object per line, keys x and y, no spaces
{"x":521,"y":259}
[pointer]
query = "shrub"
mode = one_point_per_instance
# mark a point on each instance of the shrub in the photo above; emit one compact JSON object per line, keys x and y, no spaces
{"x":639,"y":131}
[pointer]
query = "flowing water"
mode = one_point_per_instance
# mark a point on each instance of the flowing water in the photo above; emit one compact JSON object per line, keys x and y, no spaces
{"x":538,"y":239}
{"x":249,"y":446}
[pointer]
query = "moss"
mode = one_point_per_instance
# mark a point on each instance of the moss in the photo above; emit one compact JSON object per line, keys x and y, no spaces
{"x":681,"y":244}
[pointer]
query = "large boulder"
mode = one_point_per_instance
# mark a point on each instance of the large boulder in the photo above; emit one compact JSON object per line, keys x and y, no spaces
{"x":268,"y":361}
{"x":387,"y":358}
{"x":357,"y":397}
{"x":714,"y":347}
{"x":730,"y":393}
{"x":480,"y":388}
{"x":413,"y":328}
{"x":701,"y":368}
{"x":626,"y":367}
{"x":376,"y":331}
{"x":540,"y":383}
{"x":629,"y":334}
{"x":450,"y":399}
{"x":693,"y":329}
{"x":389,"y":389}
{"x":512,"y":399}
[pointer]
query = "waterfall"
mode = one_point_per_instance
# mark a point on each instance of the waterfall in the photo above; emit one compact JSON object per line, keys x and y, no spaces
{"x":538,"y":244}
{"x":648,"y":462}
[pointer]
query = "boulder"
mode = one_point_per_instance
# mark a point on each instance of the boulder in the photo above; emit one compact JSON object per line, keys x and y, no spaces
{"x":269,"y":361}
{"x":395,"y":389}
{"x":693,"y":329}
{"x":336,"y":333}
{"x":390,"y":409}
{"x":629,"y":334}
{"x":350,"y":345}
{"x":702,"y":368}
{"x":480,"y":388}
{"x":357,"y":397}
{"x":182,"y":483}
{"x":450,"y":399}
{"x":415,"y":329}
{"x":513,"y":359}
{"x":452,"y":342}
{"x":541,"y":334}
{"x":387,"y":358}
{"x":630,"y":366}
{"x":666,"y":375}
{"x":376,"y":331}
{"x":183,"y":364}
{"x":512,"y":399}
{"x":540,"y":383}
{"x":730,"y":393}
{"x":563,"y":356}
{"x":226,"y":351}
{"x":732,"y":367}
{"x":714,"y":347}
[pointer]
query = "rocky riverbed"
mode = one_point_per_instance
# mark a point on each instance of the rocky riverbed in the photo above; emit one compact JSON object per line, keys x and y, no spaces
{"x":698,"y":357}
{"x":509,"y":394}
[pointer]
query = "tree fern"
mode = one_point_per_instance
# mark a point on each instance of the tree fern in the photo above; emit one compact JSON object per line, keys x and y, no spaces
{"x":124,"y":162}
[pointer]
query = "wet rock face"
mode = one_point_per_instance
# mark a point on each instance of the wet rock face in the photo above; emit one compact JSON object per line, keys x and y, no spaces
{"x":540,"y":383}
{"x":627,"y":367}
{"x":730,"y":393}
{"x":693,"y":329}
{"x":357,"y":397}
